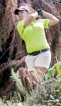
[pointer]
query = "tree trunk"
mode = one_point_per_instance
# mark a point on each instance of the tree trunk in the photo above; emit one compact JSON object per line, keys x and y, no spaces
{"x":12,"y":47}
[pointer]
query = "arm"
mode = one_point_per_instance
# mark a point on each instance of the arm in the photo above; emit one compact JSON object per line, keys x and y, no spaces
{"x":53,"y":19}
{"x":30,"y":18}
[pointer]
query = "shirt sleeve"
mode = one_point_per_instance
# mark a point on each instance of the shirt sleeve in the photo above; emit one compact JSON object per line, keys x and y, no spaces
{"x":45,"y":22}
{"x":20,"y":28}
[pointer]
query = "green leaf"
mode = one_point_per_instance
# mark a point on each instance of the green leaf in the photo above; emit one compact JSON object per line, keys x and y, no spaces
{"x":51,"y":71}
{"x":57,"y":90}
{"x":58,"y":68}
{"x":19,"y":96}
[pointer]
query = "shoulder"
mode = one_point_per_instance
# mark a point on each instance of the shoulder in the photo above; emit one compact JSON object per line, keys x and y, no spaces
{"x":20,"y":23}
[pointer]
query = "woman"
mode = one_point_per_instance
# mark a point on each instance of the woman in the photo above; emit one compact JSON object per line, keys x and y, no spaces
{"x":31,"y":30}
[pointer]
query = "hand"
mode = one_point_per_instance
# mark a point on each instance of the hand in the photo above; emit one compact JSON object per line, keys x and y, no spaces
{"x":40,"y":11}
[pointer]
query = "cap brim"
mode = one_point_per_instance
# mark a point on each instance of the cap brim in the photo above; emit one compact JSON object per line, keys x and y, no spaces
{"x":18,"y":9}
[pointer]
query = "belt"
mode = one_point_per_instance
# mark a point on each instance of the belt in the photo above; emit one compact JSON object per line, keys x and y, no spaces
{"x":38,"y":52}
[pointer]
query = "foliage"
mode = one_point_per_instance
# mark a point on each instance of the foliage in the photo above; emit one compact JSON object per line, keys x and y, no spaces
{"x":50,"y":96}
{"x":18,"y":82}
{"x":54,"y":69}
{"x":1,"y":103}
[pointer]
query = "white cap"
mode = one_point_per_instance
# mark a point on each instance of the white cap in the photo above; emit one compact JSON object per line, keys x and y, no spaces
{"x":21,"y":8}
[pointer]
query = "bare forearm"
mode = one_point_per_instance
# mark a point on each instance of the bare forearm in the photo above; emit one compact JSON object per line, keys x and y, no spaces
{"x":30,"y":18}
{"x":53,"y":19}
{"x":50,"y":16}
